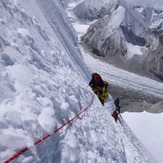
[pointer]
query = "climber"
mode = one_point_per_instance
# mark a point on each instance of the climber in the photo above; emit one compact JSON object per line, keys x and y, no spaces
{"x":99,"y":87}
{"x":115,"y":115}
{"x":96,"y":81}
{"x":117,"y":109}
{"x":117,"y":106}
{"x":116,"y":102}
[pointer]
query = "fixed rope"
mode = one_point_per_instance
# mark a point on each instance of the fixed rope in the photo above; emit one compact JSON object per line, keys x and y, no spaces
{"x":37,"y":142}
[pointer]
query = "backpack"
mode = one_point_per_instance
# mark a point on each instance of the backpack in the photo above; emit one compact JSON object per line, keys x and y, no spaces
{"x":104,"y":92}
{"x":116,"y":102}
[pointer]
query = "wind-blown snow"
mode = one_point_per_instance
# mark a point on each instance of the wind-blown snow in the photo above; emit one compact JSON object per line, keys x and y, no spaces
{"x":44,"y":83}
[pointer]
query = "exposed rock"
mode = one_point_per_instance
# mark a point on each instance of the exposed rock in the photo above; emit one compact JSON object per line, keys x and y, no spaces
{"x":115,"y":42}
{"x":91,"y":10}
{"x":154,"y":62}
{"x":156,"y":108}
{"x":134,"y":102}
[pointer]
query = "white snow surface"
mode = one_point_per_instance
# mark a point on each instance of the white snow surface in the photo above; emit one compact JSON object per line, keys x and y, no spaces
{"x":44,"y":83}
{"x":147,"y":127}
{"x":133,"y":50}
{"x":117,"y":17}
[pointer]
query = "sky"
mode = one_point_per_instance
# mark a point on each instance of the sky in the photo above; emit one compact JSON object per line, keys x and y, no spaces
{"x":44,"y":84}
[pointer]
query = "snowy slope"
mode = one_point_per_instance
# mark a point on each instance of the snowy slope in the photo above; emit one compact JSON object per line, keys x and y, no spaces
{"x":44,"y":83}
{"x":147,"y":128}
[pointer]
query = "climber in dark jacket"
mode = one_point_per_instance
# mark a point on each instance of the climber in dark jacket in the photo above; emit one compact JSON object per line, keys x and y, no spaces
{"x":117,"y":109}
{"x":115,"y":115}
{"x":98,"y":86}
{"x":117,"y":106}
{"x":96,"y":81}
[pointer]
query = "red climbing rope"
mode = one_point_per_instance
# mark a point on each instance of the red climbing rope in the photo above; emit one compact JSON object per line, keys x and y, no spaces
{"x":37,"y":142}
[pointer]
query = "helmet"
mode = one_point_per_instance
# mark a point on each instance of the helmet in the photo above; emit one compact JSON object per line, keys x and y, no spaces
{"x":94,"y":74}
{"x":96,"y":78}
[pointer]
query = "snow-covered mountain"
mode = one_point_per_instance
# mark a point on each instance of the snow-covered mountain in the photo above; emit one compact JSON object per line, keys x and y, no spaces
{"x":91,"y":9}
{"x":153,"y":17}
{"x":125,"y":36}
{"x":44,"y":83}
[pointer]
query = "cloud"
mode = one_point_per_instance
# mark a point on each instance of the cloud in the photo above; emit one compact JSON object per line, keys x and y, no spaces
{"x":157,"y":4}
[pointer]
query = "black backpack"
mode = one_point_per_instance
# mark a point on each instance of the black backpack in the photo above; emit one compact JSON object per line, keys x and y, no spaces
{"x":116,"y":102}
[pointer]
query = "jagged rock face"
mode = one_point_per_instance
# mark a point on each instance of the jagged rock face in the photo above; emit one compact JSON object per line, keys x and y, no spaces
{"x":114,"y":35}
{"x":107,"y":37}
{"x":103,"y":44}
{"x":131,"y":37}
{"x":154,"y":62}
{"x":94,"y":9}
{"x":156,"y":108}
{"x":161,"y":39}
{"x":153,"y":17}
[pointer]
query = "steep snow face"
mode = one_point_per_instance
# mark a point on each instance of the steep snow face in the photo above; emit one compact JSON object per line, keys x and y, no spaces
{"x":40,"y":79}
{"x":44,"y":83}
{"x":135,"y":29}
{"x":94,"y":9}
